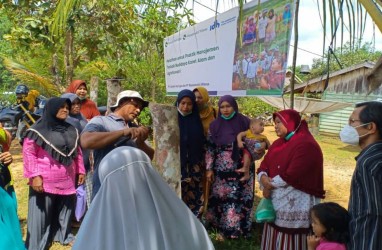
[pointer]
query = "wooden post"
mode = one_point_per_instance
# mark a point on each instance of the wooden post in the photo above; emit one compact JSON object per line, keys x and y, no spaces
{"x":94,"y":89}
{"x":294,"y":55}
{"x":113,"y":88}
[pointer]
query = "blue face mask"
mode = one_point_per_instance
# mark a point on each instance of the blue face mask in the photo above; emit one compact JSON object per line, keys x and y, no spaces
{"x":228,"y":117}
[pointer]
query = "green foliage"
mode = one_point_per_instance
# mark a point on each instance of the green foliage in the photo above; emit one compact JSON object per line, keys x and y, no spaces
{"x":253,"y":106}
{"x":347,"y":56}
{"x":145,"y":117}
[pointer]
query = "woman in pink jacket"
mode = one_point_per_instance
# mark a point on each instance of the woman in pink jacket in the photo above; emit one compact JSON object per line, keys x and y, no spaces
{"x":52,"y":159}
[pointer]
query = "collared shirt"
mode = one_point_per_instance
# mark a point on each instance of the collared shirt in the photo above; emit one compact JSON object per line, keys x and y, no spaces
{"x":107,"y":123}
{"x":365,"y":204}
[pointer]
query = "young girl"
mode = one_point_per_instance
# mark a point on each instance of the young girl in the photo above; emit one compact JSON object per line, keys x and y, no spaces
{"x":330,"y":227}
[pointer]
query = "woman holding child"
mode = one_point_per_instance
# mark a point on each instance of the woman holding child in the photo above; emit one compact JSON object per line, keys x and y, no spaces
{"x":231,"y":200}
{"x":291,"y":175}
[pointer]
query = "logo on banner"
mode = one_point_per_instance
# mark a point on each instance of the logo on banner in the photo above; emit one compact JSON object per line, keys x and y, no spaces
{"x":215,"y":25}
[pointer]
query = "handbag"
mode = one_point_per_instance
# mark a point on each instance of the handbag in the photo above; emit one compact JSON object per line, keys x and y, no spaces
{"x":265,"y":211}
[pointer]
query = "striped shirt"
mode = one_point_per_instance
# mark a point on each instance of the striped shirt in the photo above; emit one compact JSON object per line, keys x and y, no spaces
{"x":365,"y":204}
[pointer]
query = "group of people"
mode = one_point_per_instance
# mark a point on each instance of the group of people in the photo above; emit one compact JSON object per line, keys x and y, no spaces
{"x":263,"y":25}
{"x":265,"y":70}
{"x":132,"y":207}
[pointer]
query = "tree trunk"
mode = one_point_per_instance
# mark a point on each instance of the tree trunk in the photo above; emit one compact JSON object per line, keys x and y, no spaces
{"x":94,"y":89}
{"x":68,"y":57}
{"x":166,"y":141}
{"x":113,"y":88}
{"x":55,"y":72}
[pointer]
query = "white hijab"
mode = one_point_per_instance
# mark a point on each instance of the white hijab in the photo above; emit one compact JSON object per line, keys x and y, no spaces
{"x":135,"y":209}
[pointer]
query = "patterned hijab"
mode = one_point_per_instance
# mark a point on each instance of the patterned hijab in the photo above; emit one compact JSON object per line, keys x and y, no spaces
{"x":136,"y":209}
{"x":225,"y":131}
{"x":57,"y":137}
{"x":191,"y":132}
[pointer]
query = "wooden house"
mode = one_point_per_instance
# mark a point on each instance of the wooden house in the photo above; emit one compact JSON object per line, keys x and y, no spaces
{"x":346,"y":85}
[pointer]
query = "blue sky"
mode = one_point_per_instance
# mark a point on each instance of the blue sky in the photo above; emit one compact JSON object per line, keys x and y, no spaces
{"x":310,"y":31}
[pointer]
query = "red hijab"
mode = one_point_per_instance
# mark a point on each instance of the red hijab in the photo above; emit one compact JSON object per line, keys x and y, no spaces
{"x":88,"y":107}
{"x":299,"y":160}
{"x":74,"y":85}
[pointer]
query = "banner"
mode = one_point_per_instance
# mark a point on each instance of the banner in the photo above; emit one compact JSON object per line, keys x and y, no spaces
{"x":228,"y":55}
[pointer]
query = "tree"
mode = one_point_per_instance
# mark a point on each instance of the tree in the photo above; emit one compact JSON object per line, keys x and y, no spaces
{"x":107,"y":39}
{"x":348,"y":57}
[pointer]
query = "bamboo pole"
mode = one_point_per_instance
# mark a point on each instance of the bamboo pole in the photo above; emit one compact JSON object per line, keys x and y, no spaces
{"x":374,"y":12}
{"x":294,"y":54}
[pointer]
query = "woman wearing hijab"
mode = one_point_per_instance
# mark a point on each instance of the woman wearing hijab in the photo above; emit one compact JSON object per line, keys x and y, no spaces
{"x":207,"y":114}
{"x":52,"y":159}
{"x":291,"y":174}
{"x":231,"y":200}
{"x":206,"y":111}
{"x":76,"y":119}
{"x":136,"y":209}
{"x":192,"y":142}
{"x":88,"y":107}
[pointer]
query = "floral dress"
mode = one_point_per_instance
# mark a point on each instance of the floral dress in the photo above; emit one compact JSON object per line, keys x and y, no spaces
{"x":230,"y":201}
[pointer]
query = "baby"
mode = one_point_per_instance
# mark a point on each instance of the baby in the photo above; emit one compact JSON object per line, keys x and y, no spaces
{"x":253,"y":136}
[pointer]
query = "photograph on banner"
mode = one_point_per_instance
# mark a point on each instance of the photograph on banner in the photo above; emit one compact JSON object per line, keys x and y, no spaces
{"x":202,"y":55}
{"x":262,"y":47}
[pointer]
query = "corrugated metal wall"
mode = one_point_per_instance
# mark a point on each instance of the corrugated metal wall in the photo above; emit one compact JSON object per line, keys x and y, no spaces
{"x":332,"y":122}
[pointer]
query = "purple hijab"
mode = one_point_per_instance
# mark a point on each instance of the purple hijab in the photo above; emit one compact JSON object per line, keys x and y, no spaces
{"x":225,"y":131}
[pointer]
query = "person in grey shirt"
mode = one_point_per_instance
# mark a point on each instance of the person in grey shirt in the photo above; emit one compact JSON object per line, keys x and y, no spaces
{"x":103,"y":133}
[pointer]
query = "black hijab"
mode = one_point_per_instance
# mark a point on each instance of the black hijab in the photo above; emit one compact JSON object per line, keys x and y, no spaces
{"x":191,"y":133}
{"x":57,"y":137}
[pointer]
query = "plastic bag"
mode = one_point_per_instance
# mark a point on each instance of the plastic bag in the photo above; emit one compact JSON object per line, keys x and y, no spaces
{"x":265,"y":211}
{"x":81,"y":202}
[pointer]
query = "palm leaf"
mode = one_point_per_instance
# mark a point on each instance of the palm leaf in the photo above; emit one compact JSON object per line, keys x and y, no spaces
{"x":45,"y":85}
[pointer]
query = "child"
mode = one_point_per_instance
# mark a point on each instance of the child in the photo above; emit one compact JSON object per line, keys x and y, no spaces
{"x":330,"y":227}
{"x":253,"y":137}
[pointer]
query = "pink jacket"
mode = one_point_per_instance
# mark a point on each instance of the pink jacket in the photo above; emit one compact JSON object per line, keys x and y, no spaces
{"x":57,"y":178}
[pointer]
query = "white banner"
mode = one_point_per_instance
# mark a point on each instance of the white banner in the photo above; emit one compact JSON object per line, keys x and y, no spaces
{"x":202,"y":55}
{"x":225,"y":55}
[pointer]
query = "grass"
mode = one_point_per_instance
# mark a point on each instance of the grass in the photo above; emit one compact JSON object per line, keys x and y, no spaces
{"x":338,"y":166}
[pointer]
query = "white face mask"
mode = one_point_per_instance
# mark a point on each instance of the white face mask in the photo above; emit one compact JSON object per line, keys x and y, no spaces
{"x":349,"y":134}
{"x":184,"y":114}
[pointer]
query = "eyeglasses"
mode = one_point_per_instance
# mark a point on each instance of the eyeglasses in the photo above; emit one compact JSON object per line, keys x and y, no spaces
{"x":136,"y":104}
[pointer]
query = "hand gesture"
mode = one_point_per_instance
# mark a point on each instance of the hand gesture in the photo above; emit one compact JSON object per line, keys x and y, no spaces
{"x":266,"y":182}
{"x":210,"y":176}
{"x":37,"y":184}
{"x":81,"y":179}
{"x":6,"y":158}
{"x":312,"y":241}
